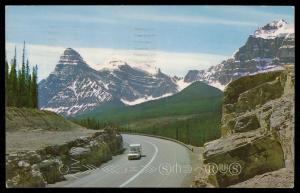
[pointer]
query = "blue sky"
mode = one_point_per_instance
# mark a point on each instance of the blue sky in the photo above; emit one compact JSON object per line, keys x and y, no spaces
{"x":206,"y":30}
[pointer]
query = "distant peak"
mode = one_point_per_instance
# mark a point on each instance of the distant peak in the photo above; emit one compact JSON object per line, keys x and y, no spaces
{"x":274,"y":29}
{"x":274,"y":25}
{"x":115,"y":62}
{"x":71,"y":51}
{"x":71,"y":57}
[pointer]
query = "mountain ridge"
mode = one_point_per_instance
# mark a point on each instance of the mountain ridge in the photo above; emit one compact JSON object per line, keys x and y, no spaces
{"x":198,"y":93}
{"x":267,"y":49}
{"x":75,"y":87}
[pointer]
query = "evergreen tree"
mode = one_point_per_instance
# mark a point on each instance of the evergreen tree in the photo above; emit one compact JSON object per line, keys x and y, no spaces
{"x":30,"y":101}
{"x":22,"y":82}
{"x":23,"y":56}
{"x":21,"y":88}
{"x":28,"y":85}
{"x":34,"y":87}
{"x":13,"y":82}
{"x":6,"y":81}
{"x":18,"y":91}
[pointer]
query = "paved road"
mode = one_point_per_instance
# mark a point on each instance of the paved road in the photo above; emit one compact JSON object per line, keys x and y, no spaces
{"x":164,"y":164}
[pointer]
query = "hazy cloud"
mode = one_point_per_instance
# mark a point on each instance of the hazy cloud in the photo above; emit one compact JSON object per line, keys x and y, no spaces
{"x":172,"y":63}
{"x":190,"y":19}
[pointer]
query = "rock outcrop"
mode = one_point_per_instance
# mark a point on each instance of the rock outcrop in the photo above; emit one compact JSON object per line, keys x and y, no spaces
{"x":50,"y":164}
{"x":257,"y":131}
{"x":282,"y":178}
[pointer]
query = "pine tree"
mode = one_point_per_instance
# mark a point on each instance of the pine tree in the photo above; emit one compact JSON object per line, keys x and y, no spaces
{"x":34,"y":87}
{"x":6,"y":81}
{"x":30,"y":101}
{"x":12,"y":85}
{"x":28,"y":85}
{"x":21,"y":80}
{"x":21,"y":88}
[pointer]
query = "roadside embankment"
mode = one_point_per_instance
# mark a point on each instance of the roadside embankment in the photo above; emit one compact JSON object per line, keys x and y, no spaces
{"x":39,"y":156}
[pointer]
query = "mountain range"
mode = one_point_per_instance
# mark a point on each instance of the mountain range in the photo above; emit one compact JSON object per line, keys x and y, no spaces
{"x":267,"y":49}
{"x":74,"y":88}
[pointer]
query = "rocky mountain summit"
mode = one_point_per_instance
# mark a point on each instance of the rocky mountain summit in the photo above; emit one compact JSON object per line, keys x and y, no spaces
{"x":267,"y":49}
{"x":257,"y":133}
{"x":273,"y":30}
{"x":74,"y":87}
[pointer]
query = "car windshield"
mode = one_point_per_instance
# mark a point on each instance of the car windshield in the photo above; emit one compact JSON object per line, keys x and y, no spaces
{"x":134,"y":149}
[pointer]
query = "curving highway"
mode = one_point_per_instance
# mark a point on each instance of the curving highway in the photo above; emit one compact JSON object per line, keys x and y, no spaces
{"x":164,"y":164}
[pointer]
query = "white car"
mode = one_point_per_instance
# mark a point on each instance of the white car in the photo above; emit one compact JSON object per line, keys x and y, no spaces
{"x":135,"y":151}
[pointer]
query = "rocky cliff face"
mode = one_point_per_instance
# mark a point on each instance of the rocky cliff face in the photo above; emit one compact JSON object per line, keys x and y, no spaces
{"x":267,"y":49}
{"x":257,"y":131}
{"x":50,"y":164}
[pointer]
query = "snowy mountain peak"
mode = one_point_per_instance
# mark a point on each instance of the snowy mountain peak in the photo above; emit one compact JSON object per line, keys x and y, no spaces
{"x":71,"y":57}
{"x":268,"y":49}
{"x":111,"y":64}
{"x":275,"y":25}
{"x":114,"y":63}
{"x":75,"y":87}
{"x":274,"y":29}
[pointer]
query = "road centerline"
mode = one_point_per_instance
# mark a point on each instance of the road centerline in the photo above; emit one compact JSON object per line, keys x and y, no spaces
{"x":138,"y":173}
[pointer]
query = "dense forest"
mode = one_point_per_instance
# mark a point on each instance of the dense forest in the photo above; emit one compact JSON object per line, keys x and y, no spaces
{"x":21,"y":88}
{"x":192,"y":116}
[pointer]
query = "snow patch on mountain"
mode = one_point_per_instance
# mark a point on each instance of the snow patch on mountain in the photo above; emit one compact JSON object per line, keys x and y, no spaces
{"x":144,"y":99}
{"x":114,"y":63}
{"x":73,"y":87}
{"x":274,"y":29}
{"x":181,"y":84}
{"x":218,"y":85}
{"x":56,"y":109}
{"x":268,"y":69}
{"x":80,"y":108}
